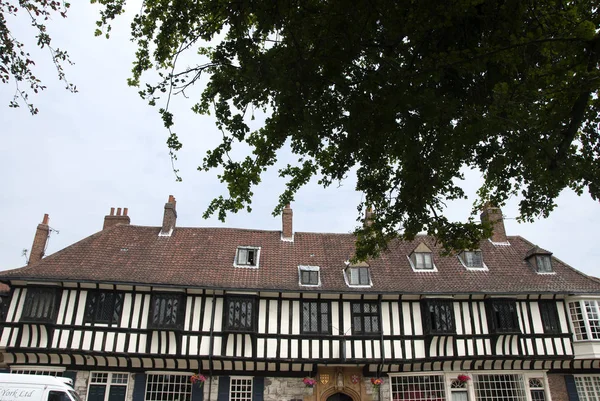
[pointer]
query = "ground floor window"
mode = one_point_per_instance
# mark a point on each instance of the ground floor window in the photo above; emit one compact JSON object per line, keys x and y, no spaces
{"x":588,"y":388}
{"x":499,"y":387}
{"x":35,"y":370}
{"x":105,"y":386}
{"x":466,"y":386}
{"x":240,"y":389}
{"x":167,"y":387}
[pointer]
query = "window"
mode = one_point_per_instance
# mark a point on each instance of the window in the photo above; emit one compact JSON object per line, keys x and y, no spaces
{"x":105,"y":386}
{"x":585,"y":319}
{"x":167,"y":311}
{"x":588,"y":388}
{"x":549,"y":316}
{"x":495,"y":387}
{"x":103,"y":307}
{"x":502,"y":316}
{"x":247,"y":256}
{"x":54,"y":395}
{"x":422,"y":261}
{"x":42,"y":371}
{"x":315,"y":317}
{"x":40,"y":305}
{"x":544,"y":263}
{"x":161,"y":387}
{"x":4,"y":303}
{"x":365,"y":318}
{"x":438,"y":317}
{"x":309,"y":275}
{"x":240,"y":389}
{"x":358,"y":276}
{"x":413,"y":388}
{"x":240,"y":314}
{"x":472,"y":259}
{"x":536,"y":389}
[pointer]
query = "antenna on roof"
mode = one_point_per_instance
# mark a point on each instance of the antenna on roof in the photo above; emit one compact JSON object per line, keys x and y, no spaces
{"x":24,"y":254}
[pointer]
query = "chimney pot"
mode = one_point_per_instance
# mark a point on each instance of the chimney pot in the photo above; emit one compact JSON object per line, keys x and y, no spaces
{"x":493,"y":215}
{"x":125,"y":211}
{"x":169,"y":218}
{"x":38,"y":248}
{"x":287,"y":218}
{"x":112,"y":219}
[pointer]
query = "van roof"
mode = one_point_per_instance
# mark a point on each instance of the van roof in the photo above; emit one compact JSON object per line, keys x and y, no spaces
{"x":35,"y":379}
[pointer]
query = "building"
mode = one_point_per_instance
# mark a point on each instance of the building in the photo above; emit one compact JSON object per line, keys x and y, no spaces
{"x":132,"y":312}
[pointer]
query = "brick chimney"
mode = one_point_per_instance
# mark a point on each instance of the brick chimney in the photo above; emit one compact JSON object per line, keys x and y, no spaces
{"x":493,"y":215}
{"x":113,"y":219}
{"x":287,"y":232}
{"x":39,"y":241}
{"x":169,"y":218}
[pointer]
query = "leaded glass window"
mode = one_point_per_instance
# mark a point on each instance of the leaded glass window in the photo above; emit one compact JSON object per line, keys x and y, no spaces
{"x":365,"y":318}
{"x":103,"y":307}
{"x":167,"y":310}
{"x":315,"y":317}
{"x":502,"y":316}
{"x":40,"y":305}
{"x":240,"y":314}
{"x":438,"y":317}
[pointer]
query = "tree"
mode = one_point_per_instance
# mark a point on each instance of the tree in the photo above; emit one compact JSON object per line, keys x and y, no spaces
{"x":15,"y":61}
{"x":409,"y":92}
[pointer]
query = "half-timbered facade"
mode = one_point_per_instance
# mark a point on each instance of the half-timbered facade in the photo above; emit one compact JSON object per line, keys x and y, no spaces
{"x":132,"y":312}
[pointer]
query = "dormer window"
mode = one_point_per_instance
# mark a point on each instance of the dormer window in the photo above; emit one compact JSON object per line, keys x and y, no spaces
{"x":358,"y":275}
{"x":247,"y":256}
{"x":422,"y":258}
{"x":472,"y":259}
{"x":540,"y":260}
{"x":309,"y":275}
{"x":544,"y":263}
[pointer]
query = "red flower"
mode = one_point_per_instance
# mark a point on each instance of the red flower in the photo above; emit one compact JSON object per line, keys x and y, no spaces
{"x":199,"y":379}
{"x":463,"y":378}
{"x":309,"y":381}
{"x":377,"y":381}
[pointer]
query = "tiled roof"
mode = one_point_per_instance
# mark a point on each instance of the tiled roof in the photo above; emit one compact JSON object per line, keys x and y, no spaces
{"x":203,"y":257}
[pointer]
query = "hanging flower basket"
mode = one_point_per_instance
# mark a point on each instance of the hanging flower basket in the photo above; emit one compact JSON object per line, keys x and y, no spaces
{"x":198,"y":379}
{"x":376,"y":382}
{"x":309,"y":382}
{"x":463,"y":378}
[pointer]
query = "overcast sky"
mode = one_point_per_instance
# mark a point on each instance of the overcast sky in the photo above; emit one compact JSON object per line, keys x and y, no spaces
{"x":105,"y":147}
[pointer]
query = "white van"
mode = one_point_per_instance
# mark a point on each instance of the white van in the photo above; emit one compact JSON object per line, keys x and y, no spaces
{"x":15,"y":387}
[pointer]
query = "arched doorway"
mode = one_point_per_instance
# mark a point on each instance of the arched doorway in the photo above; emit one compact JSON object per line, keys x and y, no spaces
{"x":339,"y":397}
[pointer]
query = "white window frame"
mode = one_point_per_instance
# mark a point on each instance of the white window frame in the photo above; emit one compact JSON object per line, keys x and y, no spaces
{"x":470,"y":385}
{"x":582,"y":392}
{"x":309,"y":269}
{"x":185,"y":379}
{"x":346,"y":273}
{"x":241,"y":397}
{"x":483,"y":266}
{"x":586,"y":319}
{"x":256,"y":249}
{"x":37,"y":370}
{"x":433,"y":269}
{"x":109,"y":382}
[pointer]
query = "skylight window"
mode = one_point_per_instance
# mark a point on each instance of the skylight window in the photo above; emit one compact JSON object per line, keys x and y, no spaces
{"x":358,"y":275}
{"x":247,"y":256}
{"x":540,"y":260}
{"x":309,"y":275}
{"x":472,"y":259}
